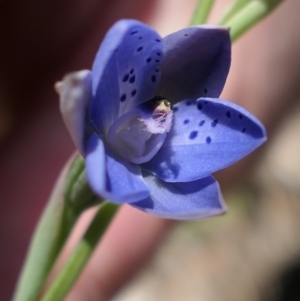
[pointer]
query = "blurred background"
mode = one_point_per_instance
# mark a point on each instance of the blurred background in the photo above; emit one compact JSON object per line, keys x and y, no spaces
{"x":252,"y":252}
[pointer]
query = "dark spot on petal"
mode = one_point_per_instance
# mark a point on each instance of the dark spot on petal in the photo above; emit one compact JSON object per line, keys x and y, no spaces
{"x":148,"y":60}
{"x":241,"y":116}
{"x":133,"y":32}
{"x":186,"y":35}
{"x":188,"y":102}
{"x":157,"y":61}
{"x":153,"y":78}
{"x":157,"y":40}
{"x":140,"y":38}
{"x":214,"y":123}
{"x":186,"y":121}
{"x":157,"y":70}
{"x":133,"y":93}
{"x":132,"y":79}
{"x":175,"y":109}
{"x":205,"y":102}
{"x":125,"y":78}
{"x":208,"y":140}
{"x":131,"y":71}
{"x":123,"y":97}
{"x":201,"y":122}
{"x":193,"y":134}
{"x":140,"y":49}
{"x":158,"y":53}
{"x":199,"y":106}
{"x":243,"y":130}
{"x":228,"y":114}
{"x":116,"y":49}
{"x":205,"y":91}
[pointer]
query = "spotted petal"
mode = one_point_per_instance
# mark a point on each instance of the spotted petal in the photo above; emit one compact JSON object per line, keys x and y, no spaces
{"x":111,"y":178}
{"x":206,"y":136}
{"x":196,"y":63}
{"x":185,"y":201}
{"x":125,"y":72}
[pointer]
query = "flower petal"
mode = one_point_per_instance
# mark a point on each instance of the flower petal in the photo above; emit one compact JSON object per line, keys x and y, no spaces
{"x":111,"y":178}
{"x":183,"y":201}
{"x":206,"y":136}
{"x":196,"y":63}
{"x":74,"y":92}
{"x":125,"y":72}
{"x":136,"y":136}
{"x":95,"y":164}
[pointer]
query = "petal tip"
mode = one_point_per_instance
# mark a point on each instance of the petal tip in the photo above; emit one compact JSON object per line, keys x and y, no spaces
{"x":74,"y":92}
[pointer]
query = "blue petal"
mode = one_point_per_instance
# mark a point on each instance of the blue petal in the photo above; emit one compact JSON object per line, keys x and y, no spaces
{"x":206,"y":136}
{"x":96,"y":164}
{"x":184,"y":201}
{"x":125,"y":72}
{"x":111,"y":178}
{"x":196,"y":63}
{"x":74,"y":92}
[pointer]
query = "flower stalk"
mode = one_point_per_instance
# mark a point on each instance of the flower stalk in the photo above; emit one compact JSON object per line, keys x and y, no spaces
{"x":202,"y":12}
{"x":244,"y":16}
{"x":81,"y":254}
{"x":70,"y":197}
{"x":232,"y":10}
{"x":53,"y":229}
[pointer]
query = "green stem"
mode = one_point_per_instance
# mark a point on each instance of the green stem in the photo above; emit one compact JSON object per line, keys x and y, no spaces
{"x":202,"y":12}
{"x":232,"y":10}
{"x":249,"y":15}
{"x":50,"y":235}
{"x":71,"y":196}
{"x":75,"y":264}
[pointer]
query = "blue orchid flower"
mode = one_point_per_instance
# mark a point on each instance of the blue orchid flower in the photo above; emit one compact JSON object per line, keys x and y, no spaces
{"x":148,"y":121}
